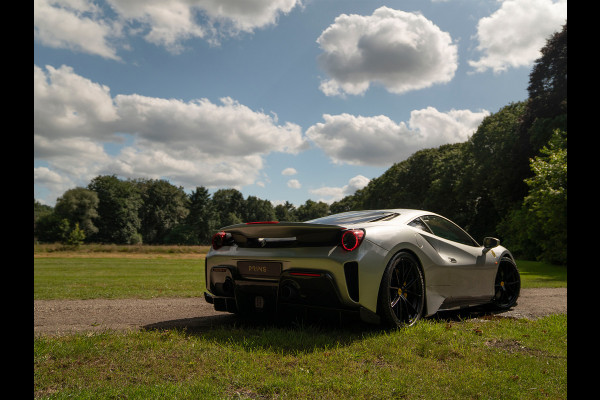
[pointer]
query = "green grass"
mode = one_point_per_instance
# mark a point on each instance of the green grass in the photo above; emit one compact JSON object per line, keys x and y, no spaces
{"x":89,"y":278}
{"x":472,"y":358}
{"x":535,"y":274}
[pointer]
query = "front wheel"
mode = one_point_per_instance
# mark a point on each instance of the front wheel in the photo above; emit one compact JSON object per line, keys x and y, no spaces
{"x":507,"y":285}
{"x":402,"y":291}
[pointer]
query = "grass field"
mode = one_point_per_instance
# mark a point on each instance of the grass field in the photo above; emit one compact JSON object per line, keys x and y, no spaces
{"x":483,"y":358}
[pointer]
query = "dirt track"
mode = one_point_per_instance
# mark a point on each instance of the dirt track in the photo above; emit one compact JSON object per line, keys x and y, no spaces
{"x":66,"y":316}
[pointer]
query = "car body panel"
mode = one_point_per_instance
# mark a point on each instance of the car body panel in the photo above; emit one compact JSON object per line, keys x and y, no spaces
{"x":455,"y":274}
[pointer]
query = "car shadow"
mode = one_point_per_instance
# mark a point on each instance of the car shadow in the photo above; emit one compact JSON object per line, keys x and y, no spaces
{"x":295,"y":333}
{"x":288,"y":334}
{"x":316,"y":320}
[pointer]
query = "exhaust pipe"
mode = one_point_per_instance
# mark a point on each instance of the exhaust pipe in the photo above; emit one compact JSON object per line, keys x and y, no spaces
{"x":288,"y":292}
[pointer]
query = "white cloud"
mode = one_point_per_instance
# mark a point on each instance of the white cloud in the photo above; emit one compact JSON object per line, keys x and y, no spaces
{"x":80,"y":25}
{"x":289,"y":171}
{"x":53,"y":183}
{"x":380,"y":141}
{"x":75,"y":25}
{"x":66,"y":104}
{"x":514,"y":34}
{"x":294,"y":184}
{"x":401,"y":51}
{"x":330,"y":194}
{"x":191,"y":143}
{"x":229,"y":128}
{"x":166,"y":23}
{"x":247,"y":15}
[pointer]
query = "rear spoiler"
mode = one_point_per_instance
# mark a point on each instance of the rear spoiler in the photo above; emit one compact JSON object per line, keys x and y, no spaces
{"x":299,"y":232}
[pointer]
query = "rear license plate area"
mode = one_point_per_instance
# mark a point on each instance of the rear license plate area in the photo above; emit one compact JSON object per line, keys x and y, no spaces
{"x":259,"y":269}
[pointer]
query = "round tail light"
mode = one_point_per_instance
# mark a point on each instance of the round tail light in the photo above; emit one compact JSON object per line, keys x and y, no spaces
{"x":352,"y":238}
{"x":220,"y":239}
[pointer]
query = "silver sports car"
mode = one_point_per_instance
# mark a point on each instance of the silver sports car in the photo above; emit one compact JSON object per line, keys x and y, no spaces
{"x":390,"y":266}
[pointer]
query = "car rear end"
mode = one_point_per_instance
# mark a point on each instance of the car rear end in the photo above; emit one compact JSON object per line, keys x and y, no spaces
{"x":272,"y":267}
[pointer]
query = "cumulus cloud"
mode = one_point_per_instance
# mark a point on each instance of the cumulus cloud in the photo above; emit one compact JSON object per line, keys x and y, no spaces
{"x":294,"y":184}
{"x":229,"y":128}
{"x":66,"y":104}
{"x":191,"y":143}
{"x":514,"y":34}
{"x":289,"y":171}
{"x":74,"y":25}
{"x":400,"y":50}
{"x":379,"y":141}
{"x":80,"y":25}
{"x":330,"y":194}
{"x":245,"y":16}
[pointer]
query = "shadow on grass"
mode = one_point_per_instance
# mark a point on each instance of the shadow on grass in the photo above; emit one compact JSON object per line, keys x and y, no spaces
{"x":295,"y":332}
{"x":290,"y":333}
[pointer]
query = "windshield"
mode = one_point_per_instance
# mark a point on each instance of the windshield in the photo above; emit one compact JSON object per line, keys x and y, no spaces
{"x":354,"y":217}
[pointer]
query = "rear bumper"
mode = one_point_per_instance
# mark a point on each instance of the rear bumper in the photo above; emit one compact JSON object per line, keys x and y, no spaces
{"x":294,"y":288}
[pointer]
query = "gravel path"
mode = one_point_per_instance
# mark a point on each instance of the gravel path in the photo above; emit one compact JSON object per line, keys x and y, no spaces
{"x":55,"y":317}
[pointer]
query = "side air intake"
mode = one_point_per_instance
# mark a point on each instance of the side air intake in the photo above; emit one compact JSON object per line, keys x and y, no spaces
{"x":351,"y":273}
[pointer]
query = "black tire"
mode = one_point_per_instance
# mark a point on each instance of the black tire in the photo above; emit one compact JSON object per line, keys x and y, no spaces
{"x":507,"y":285}
{"x":402,"y":291}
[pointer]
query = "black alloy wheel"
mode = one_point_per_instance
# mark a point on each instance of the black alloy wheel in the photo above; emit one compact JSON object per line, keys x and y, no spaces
{"x":402,"y":291}
{"x":507,"y":285}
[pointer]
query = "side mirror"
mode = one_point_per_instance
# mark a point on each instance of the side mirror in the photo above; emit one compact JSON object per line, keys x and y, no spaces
{"x":490,"y":242}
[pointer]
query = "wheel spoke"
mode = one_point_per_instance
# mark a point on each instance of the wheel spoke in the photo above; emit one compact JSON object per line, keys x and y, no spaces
{"x":408,"y":304}
{"x":395,"y":301}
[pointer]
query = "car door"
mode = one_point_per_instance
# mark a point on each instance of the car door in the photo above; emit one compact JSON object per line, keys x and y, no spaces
{"x":461,"y":275}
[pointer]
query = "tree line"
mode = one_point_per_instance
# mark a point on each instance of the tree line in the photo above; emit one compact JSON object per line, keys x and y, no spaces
{"x":154,"y":211}
{"x":508,"y":180}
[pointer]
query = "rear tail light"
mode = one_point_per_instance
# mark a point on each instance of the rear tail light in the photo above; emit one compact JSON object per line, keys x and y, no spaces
{"x":221,"y":239}
{"x":352,"y":238}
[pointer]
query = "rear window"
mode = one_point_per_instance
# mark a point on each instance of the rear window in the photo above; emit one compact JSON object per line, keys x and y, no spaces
{"x":354,"y":217}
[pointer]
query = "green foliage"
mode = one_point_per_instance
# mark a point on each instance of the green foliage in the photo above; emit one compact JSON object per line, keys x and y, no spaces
{"x":285,"y":212}
{"x":539,"y":228}
{"x":118,"y":218}
{"x":311,"y":210}
{"x":164,"y":207}
{"x":76,"y":236}
{"x":202,"y":219}
{"x":79,"y":206}
{"x":40,"y":210}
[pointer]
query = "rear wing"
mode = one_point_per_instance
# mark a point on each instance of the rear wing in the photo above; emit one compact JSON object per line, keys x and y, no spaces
{"x":284,"y":233}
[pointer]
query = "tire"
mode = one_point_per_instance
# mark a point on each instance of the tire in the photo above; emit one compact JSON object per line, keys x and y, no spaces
{"x":507,"y":285}
{"x":402,"y":291}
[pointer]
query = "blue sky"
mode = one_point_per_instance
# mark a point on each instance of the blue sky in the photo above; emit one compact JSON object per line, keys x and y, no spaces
{"x":286,"y":100}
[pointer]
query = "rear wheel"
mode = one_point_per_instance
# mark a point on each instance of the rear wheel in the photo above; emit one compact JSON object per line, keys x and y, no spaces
{"x":402,"y":291}
{"x":507,"y":285}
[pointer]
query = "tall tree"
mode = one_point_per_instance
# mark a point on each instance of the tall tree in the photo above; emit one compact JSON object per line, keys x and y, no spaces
{"x":493,"y":181}
{"x":546,"y":108}
{"x":311,"y":210}
{"x":229,"y":206}
{"x":201,"y":220}
{"x":119,"y":203}
{"x":79,"y":206}
{"x":285,"y":212}
{"x":258,"y":210}
{"x":164,"y":206}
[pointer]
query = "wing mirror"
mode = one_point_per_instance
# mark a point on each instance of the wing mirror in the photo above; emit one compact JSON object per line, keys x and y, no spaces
{"x":490,"y":242}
